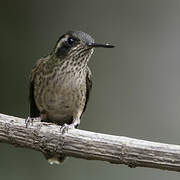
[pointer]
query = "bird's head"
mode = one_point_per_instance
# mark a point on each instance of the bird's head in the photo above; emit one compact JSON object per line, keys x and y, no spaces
{"x":76,"y":45}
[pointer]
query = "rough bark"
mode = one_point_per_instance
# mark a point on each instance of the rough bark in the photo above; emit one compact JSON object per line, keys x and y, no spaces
{"x":45,"y":137}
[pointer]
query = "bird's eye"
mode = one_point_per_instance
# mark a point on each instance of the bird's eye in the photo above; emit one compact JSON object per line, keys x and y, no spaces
{"x":71,"y":41}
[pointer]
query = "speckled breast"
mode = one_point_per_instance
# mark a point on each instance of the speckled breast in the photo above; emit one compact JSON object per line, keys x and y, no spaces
{"x":61,"y":95}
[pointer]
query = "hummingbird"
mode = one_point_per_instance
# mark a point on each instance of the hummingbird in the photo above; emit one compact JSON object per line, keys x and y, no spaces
{"x":61,"y":82}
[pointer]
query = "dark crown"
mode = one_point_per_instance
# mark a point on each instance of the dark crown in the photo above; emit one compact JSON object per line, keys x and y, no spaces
{"x":70,"y":40}
{"x":78,"y":41}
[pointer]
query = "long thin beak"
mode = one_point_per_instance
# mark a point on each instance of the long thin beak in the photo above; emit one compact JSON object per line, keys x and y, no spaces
{"x":95,"y":45}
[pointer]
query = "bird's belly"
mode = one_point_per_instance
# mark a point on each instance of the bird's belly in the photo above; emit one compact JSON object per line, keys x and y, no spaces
{"x":59,"y":105}
{"x":61,"y":102}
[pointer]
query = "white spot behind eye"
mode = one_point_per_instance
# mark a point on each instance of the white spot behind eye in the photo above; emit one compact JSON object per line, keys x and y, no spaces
{"x":61,"y":41}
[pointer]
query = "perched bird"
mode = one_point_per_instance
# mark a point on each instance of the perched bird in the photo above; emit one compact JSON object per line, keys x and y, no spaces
{"x":60,"y":83}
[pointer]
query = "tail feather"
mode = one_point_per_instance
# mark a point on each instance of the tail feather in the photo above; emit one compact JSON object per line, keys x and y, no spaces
{"x":54,"y":158}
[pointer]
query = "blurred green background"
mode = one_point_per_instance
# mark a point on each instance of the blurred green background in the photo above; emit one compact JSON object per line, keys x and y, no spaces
{"x":136,"y":89}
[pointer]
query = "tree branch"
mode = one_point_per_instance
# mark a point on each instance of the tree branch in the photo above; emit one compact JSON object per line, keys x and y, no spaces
{"x":46,"y":137}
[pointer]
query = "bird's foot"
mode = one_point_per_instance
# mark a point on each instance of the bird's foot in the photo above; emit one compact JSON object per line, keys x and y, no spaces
{"x":30,"y":120}
{"x":66,"y":127}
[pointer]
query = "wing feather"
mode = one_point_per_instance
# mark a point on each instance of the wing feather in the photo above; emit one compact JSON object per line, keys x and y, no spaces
{"x":34,"y":111}
{"x":88,"y":86}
